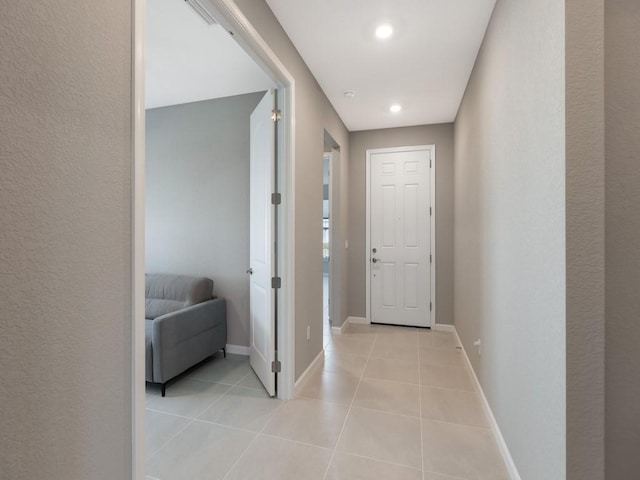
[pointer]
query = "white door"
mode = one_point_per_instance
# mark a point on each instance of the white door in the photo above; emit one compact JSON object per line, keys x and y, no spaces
{"x":261,"y":248}
{"x":400,"y":246}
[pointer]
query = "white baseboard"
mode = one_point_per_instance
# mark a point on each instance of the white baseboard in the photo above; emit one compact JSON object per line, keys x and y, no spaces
{"x":238,"y":349}
{"x":502,"y":445}
{"x":339,"y":330}
{"x":357,"y":320}
{"x":313,"y":366}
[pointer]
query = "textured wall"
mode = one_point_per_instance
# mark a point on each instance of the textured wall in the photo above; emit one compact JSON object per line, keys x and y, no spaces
{"x":622,"y":76}
{"x":442,"y":137}
{"x":197,"y":198}
{"x":313,"y":114}
{"x":65,"y":241}
{"x":584,"y":45}
{"x":509,"y":252}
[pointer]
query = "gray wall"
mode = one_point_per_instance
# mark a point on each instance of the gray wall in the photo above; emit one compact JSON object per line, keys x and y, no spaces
{"x":197,"y":198}
{"x":65,"y":241}
{"x":313,"y":114}
{"x":509,"y":247}
{"x":584,"y":201}
{"x":622,"y":76}
{"x":442,"y":137}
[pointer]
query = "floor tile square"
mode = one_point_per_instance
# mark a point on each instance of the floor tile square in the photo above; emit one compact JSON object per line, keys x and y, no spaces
{"x":241,"y":407}
{"x":453,"y":406}
{"x":382,"y":436}
{"x":349,"y":467}
{"x":160,"y":428}
{"x":229,"y":370}
{"x":349,"y":344}
{"x":308,"y":421}
{"x":392,"y":369}
{"x":187,"y":397}
{"x":202,"y":451}
{"x":271,"y":458}
{"x":442,"y":356}
{"x":461,"y":451}
{"x":386,"y":396}
{"x":436,"y":338}
{"x":330,"y":387}
{"x":456,"y":378}
{"x":344,"y":363}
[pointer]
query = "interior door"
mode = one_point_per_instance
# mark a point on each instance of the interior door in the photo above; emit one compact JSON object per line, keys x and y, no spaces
{"x":400,"y":236}
{"x":261,"y":248}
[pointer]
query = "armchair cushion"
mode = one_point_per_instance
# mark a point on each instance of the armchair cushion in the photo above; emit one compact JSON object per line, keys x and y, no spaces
{"x":170,"y":293}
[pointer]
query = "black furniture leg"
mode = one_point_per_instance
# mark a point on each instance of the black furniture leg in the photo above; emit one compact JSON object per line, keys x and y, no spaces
{"x":224,"y":352}
{"x":163,"y":387}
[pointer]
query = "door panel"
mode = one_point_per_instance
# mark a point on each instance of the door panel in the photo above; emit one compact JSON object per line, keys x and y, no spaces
{"x":261,"y":245}
{"x":400,"y":236}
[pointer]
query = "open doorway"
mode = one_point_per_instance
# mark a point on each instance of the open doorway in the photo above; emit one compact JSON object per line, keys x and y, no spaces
{"x":330,"y":308}
{"x":187,"y":149}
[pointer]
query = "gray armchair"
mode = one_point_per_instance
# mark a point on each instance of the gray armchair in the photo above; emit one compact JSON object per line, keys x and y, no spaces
{"x":184,"y":324}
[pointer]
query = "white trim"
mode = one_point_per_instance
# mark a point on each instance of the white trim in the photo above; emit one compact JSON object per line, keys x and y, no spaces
{"x":238,"y":349}
{"x":138,"y":463}
{"x":317,"y":363}
{"x":338,"y":330}
{"x":357,"y":320}
{"x":432,"y":187}
{"x":350,"y":320}
{"x":502,"y":445}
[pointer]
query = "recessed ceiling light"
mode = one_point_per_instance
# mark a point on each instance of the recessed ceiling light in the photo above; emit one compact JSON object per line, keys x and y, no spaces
{"x":384,"y":31}
{"x":349,"y":94}
{"x":395,"y":108}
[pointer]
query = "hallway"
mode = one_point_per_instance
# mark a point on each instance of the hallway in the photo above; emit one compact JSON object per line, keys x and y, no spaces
{"x":388,"y":403}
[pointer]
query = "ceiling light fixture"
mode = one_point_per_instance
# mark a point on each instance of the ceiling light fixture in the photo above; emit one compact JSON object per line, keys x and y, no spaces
{"x":384,"y":31}
{"x":349,"y":94}
{"x":395,"y":108}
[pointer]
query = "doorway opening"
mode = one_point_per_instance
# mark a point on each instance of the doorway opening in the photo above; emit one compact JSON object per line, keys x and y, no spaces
{"x":330,"y":306}
{"x":233,"y":25}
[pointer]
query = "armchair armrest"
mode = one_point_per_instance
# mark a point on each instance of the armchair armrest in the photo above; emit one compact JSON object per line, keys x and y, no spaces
{"x":174,"y":328}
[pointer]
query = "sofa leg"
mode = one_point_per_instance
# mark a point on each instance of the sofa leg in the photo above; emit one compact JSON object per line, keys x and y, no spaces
{"x":163,"y":388}
{"x":224,"y":352}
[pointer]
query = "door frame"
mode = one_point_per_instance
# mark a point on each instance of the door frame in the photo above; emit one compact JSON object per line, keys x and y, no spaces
{"x":233,"y":20}
{"x":432,"y":186}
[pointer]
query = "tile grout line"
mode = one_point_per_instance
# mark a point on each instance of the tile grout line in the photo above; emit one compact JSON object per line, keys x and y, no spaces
{"x":420,"y":400}
{"x":254,"y":440}
{"x":192,"y":420}
{"x":346,"y":418}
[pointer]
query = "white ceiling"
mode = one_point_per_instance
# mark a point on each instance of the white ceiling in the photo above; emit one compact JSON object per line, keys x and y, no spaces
{"x":424,"y":66}
{"x":188,"y":60}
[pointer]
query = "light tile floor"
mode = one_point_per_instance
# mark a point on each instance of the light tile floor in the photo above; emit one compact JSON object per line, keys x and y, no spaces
{"x":388,"y":403}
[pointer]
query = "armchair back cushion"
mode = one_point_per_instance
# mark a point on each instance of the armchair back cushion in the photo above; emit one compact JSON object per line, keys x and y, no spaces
{"x":170,"y":293}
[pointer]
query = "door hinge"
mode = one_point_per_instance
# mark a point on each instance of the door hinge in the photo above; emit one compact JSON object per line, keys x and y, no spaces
{"x":430,"y":306}
{"x":429,"y":163}
{"x":276,"y":199}
{"x":276,"y":366}
{"x":430,"y":258}
{"x":276,"y":282}
{"x":430,"y":211}
{"x":276,"y":115}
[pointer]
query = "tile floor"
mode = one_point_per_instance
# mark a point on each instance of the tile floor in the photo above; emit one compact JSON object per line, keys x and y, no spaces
{"x":388,"y":403}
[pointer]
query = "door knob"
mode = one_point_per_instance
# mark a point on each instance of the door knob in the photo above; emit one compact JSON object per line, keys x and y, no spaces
{"x":374,"y":260}
{"x":250,"y":271}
